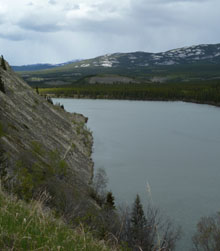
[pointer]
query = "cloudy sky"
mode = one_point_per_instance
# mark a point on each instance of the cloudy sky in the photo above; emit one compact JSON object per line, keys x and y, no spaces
{"x":55,"y":31}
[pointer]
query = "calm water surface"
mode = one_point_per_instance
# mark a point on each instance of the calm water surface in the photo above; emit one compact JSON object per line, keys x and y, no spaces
{"x":175,"y":146}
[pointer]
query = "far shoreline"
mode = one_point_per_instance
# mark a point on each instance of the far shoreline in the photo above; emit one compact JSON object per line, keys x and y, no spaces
{"x":211,"y":103}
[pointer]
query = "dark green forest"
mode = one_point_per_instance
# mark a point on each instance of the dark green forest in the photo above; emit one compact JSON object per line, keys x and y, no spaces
{"x":201,"y":92}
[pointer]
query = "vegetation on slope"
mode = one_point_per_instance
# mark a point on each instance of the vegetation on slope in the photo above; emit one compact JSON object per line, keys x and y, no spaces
{"x":27,"y":224}
{"x":31,"y":227}
{"x":70,"y":75}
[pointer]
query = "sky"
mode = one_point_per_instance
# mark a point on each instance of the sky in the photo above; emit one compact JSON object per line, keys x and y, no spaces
{"x":56,"y":31}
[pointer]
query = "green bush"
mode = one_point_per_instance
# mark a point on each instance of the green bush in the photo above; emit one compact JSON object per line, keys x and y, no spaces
{"x":35,"y":169}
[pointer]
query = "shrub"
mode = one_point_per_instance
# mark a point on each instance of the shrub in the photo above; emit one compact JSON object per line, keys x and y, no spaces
{"x":150,"y":231}
{"x":3,"y":64}
{"x":2,"y":86}
{"x":207,"y":236}
{"x":35,"y":170}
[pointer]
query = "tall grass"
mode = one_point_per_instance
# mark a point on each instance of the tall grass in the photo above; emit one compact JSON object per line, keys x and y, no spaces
{"x":31,"y":227}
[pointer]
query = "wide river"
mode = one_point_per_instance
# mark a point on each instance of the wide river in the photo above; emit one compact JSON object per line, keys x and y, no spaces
{"x":175,"y":146}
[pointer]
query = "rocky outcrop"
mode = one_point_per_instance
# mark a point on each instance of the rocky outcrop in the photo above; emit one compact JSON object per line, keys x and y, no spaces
{"x":34,"y":127}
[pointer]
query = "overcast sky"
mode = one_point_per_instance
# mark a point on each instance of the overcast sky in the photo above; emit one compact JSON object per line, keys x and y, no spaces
{"x":55,"y":31}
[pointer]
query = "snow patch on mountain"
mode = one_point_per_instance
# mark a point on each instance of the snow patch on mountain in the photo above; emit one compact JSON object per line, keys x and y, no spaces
{"x":156,"y":57}
{"x":168,"y":62}
{"x":132,"y":57}
{"x":84,"y":65}
{"x":106,"y":64}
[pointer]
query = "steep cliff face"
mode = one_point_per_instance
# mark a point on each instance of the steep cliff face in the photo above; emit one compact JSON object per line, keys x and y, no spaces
{"x":38,"y":135}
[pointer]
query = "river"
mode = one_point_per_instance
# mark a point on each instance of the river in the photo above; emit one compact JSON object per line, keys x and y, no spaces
{"x":175,"y":146}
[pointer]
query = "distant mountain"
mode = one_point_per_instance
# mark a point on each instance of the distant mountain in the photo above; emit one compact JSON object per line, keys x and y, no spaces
{"x":186,"y":55}
{"x":36,"y":67}
{"x":198,"y":62}
{"x":32,"y":67}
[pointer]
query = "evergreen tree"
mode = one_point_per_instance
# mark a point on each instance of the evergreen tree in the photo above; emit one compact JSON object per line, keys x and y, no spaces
{"x":100,"y":181}
{"x":2,"y":86}
{"x":110,"y":201}
{"x":3,"y":64}
{"x":138,"y":224}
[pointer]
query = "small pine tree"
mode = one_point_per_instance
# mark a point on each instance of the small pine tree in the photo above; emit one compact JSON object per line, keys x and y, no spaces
{"x":37,"y":91}
{"x":3,"y":64}
{"x":138,"y":223}
{"x":110,"y":201}
{"x":2,"y":86}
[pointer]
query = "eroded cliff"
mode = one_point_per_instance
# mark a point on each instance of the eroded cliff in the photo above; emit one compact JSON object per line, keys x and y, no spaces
{"x":44,"y":147}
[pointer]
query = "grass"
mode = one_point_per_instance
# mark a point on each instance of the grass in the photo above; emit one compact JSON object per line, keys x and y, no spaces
{"x":28,"y":226}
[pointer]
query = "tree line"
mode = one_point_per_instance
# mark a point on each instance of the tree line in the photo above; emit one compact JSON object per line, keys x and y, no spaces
{"x":204,"y":92}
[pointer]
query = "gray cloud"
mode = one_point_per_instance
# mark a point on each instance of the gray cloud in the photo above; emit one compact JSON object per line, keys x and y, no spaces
{"x":52,"y":2}
{"x":71,"y":6}
{"x":38,"y":26}
{"x":82,"y":29}
{"x":13,"y":36}
{"x":176,"y":1}
{"x":41,"y":21}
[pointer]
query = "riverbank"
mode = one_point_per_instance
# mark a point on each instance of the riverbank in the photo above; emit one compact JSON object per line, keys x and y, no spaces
{"x":112,"y":98}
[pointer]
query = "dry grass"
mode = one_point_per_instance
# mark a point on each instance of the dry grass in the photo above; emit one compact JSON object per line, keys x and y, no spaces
{"x":31,"y":227}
